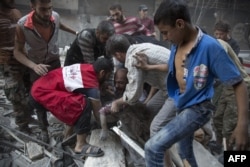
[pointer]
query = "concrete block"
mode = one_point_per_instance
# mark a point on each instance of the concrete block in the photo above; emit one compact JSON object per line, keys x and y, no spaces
{"x":113,"y":151}
{"x":44,"y":162}
{"x":34,"y":150}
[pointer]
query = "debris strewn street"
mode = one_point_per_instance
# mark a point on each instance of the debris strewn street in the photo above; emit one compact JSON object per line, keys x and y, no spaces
{"x":24,"y":150}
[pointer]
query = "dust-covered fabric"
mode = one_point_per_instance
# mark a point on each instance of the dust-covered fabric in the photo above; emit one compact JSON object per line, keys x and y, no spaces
{"x":137,"y":77}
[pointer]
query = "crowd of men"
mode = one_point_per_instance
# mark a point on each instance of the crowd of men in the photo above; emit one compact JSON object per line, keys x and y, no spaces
{"x":174,"y":87}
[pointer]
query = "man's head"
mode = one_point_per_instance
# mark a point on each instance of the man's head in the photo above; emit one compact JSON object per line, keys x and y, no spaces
{"x":171,"y":18}
{"x":103,"y":68}
{"x":117,"y":46}
{"x":116,"y":13}
{"x":104,"y":30}
{"x":143,"y":11}
{"x":221,"y":30}
{"x":120,"y":81}
{"x":43,"y":10}
{"x":7,"y":4}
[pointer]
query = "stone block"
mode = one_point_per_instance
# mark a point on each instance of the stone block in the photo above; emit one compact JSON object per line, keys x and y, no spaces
{"x":34,"y":150}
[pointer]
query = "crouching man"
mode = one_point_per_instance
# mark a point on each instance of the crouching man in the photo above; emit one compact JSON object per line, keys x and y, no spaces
{"x":70,"y":93}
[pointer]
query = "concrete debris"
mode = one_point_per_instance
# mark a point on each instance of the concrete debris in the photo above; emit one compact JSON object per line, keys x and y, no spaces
{"x":19,"y":159}
{"x":45,"y":162}
{"x":113,"y":151}
{"x":18,"y":149}
{"x":56,"y":160}
{"x":34,"y":150}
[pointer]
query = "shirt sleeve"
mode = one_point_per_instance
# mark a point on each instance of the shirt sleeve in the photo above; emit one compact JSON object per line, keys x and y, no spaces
{"x":86,"y":42}
{"x":134,"y":88}
{"x":151,"y":26}
{"x":232,"y":75}
{"x":142,"y":28}
{"x":91,"y":93}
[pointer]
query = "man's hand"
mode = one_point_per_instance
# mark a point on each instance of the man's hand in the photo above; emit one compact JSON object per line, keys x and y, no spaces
{"x":142,"y":61}
{"x":41,"y":69}
{"x":114,"y":107}
{"x":239,"y":138}
{"x":107,"y":89}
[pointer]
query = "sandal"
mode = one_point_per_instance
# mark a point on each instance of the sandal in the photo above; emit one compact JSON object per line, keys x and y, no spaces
{"x":90,"y":151}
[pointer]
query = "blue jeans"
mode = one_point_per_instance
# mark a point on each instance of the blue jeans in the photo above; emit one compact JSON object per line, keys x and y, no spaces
{"x":181,"y":130}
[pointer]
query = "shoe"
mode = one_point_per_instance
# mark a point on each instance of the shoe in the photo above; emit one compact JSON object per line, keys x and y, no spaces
{"x":90,"y":151}
{"x":214,"y":148}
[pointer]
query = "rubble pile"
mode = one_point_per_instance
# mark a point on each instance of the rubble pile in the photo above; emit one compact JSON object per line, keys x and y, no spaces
{"x":18,"y":149}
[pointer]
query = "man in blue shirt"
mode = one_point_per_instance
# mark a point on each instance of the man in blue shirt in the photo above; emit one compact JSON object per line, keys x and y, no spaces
{"x":195,"y":61}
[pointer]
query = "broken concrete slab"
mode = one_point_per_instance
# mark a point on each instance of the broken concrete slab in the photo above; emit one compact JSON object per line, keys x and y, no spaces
{"x":19,"y":159}
{"x":34,"y":150}
{"x":45,"y":162}
{"x":4,"y":120}
{"x":113,"y":151}
{"x":203,"y":157}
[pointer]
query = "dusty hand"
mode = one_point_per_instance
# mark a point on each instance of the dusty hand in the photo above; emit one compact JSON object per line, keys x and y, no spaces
{"x":41,"y":69}
{"x":114,"y":107}
{"x":239,"y":138}
{"x":104,"y":135}
{"x":107,"y":89}
{"x":142,"y":61}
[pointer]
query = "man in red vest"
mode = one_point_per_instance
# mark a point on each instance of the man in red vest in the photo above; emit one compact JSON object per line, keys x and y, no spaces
{"x":70,"y":93}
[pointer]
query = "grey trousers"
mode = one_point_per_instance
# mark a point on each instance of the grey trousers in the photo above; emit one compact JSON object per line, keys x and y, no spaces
{"x":156,"y":102}
{"x":161,"y":110}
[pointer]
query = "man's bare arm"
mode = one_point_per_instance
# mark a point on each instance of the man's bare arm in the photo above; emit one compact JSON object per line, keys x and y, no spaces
{"x":21,"y":55}
{"x":240,"y":133}
{"x":116,"y":105}
{"x":103,"y":121}
{"x":67,"y":29}
{"x":19,"y":50}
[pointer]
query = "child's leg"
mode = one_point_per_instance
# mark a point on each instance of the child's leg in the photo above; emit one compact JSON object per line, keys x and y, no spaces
{"x":184,"y":124}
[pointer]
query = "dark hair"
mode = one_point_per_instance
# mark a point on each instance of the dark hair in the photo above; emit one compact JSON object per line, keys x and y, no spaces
{"x":42,"y":1}
{"x":142,"y":7}
{"x":117,"y":43}
{"x":106,"y":27}
{"x":103,"y":64}
{"x":115,"y":6}
{"x":171,"y":10}
{"x":222,"y":26}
